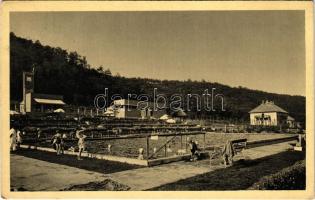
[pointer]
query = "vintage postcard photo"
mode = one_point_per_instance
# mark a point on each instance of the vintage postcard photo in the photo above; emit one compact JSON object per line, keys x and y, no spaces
{"x":157,"y":96}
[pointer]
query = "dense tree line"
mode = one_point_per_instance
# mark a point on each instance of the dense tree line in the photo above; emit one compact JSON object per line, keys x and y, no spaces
{"x":67,"y":73}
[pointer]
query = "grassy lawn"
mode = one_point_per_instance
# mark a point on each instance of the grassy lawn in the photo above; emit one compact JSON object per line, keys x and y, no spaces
{"x":240,"y":176}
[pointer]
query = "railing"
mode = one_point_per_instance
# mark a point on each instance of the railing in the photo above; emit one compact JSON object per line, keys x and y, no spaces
{"x":151,"y":144}
{"x":183,"y":143}
{"x":158,"y":150}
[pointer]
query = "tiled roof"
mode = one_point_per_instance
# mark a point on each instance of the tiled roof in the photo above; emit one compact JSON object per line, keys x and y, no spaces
{"x":267,"y":107}
{"x":49,"y":101}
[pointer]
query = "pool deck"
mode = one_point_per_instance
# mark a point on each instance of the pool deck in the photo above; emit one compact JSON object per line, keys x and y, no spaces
{"x":32,"y":174}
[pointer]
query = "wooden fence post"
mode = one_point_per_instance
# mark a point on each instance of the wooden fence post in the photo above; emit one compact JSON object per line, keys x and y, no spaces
{"x":165,"y":153}
{"x":181,"y":141}
{"x":186,"y":143}
{"x":204,"y":141}
{"x":148,"y":146}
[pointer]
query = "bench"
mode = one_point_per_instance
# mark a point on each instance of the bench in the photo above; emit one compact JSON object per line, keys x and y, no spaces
{"x":238,"y":145}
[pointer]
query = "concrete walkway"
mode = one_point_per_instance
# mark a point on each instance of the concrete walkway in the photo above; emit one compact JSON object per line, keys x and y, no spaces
{"x":32,"y":174}
{"x":146,"y":178}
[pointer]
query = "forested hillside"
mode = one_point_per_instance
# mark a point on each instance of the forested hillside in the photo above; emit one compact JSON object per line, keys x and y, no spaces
{"x":69,"y":74}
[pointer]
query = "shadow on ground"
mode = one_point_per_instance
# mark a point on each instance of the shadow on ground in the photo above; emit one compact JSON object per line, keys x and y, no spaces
{"x":269,"y":142}
{"x":96,"y":165}
{"x":240,"y":176}
{"x":105,"y":185}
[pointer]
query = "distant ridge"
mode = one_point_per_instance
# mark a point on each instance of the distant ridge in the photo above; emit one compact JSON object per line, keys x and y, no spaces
{"x":69,"y":74}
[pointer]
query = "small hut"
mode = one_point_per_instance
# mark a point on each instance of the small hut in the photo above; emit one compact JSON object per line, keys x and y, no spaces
{"x":179,"y":114}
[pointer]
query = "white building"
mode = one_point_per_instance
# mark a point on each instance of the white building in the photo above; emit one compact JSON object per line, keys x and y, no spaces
{"x":269,"y":114}
{"x":124,"y":108}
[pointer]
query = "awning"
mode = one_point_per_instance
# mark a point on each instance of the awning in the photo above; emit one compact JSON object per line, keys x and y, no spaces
{"x":49,"y":101}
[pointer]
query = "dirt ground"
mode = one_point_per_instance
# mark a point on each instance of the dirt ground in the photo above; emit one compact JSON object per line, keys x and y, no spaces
{"x":107,"y":185}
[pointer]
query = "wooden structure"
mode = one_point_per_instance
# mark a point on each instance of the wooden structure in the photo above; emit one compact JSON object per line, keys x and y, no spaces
{"x":238,"y":146}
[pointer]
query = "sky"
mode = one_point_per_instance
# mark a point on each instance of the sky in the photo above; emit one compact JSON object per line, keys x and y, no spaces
{"x":263,"y":50}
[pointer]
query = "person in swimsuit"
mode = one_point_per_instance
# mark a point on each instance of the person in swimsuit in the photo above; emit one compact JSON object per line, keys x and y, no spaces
{"x":57,"y":142}
{"x":81,"y":142}
{"x":63,"y":142}
{"x":18,"y":139}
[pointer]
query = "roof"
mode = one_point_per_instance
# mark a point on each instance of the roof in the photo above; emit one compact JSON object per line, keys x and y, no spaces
{"x":267,"y":106}
{"x":125,"y":102}
{"x":47,"y":96}
{"x":49,"y":101}
{"x":139,"y":104}
{"x":289,"y":118}
{"x":179,"y":113}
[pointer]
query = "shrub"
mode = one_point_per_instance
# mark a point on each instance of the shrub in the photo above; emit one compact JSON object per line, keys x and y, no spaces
{"x":290,"y":178}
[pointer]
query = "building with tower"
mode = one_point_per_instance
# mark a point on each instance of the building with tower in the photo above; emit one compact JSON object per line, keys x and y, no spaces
{"x":35,"y":102}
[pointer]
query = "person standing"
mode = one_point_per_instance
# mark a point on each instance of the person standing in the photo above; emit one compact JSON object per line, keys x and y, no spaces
{"x":81,"y":142}
{"x":13,"y":137}
{"x":194,"y":153}
{"x":228,"y":153}
{"x":63,"y":142}
{"x":57,"y":142}
{"x":19,"y":139}
{"x":39,"y":133}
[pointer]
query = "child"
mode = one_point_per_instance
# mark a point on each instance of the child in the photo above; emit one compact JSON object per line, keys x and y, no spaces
{"x":81,"y":142}
{"x":57,"y":142}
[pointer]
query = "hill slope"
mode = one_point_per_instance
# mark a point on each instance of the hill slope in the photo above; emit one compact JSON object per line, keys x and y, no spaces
{"x":67,"y":73}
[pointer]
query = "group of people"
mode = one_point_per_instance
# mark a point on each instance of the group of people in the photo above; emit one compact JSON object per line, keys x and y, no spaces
{"x":15,"y":138}
{"x":227,"y":152}
{"x":58,"y":142}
